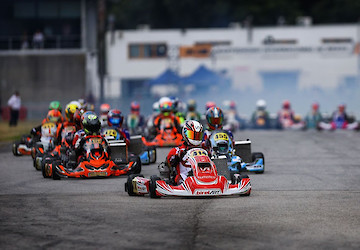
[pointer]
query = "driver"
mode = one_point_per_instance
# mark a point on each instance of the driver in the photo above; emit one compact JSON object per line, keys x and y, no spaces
{"x":166,"y":114}
{"x":214,"y":118}
{"x":91,"y":125}
{"x":115,"y":120}
{"x":192,"y":133}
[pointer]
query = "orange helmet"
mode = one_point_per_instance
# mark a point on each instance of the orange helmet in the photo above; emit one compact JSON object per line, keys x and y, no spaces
{"x":54,"y":116}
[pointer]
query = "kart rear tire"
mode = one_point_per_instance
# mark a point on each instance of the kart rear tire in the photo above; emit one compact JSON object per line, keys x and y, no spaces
{"x":15,"y":147}
{"x":55,"y":175}
{"x":43,"y":171}
{"x":152,"y":186}
{"x":258,"y":155}
{"x":150,"y":149}
{"x":128,"y":185}
{"x":136,"y":168}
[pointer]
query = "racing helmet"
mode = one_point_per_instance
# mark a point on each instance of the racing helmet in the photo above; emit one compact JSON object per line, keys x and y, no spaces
{"x":286,"y":104}
{"x":166,"y":107}
{"x":175,"y":103}
{"x":54,"y":115}
{"x":115,"y":118}
{"x":214,"y":118}
{"x":315,"y":106}
{"x":261,"y":104}
{"x":135,"y":107}
{"x":191,"y":105}
{"x":209,"y":105}
{"x":156,"y":107}
{"x":232,"y":105}
{"x":55,"y":105}
{"x":91,"y":123}
{"x":104,"y":108}
{"x":70,"y":111}
{"x":193,"y":132}
{"x":83,"y":104}
{"x":342,"y":107}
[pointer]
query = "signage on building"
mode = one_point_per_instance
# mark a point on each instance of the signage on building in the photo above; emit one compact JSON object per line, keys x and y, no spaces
{"x":199,"y":51}
{"x":328,"y":50}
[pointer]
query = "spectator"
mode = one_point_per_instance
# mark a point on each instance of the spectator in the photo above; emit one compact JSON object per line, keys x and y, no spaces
{"x":38,"y":40}
{"x":14,"y":104}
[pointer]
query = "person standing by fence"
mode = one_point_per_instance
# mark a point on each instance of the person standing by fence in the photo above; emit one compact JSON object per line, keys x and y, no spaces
{"x":14,"y":104}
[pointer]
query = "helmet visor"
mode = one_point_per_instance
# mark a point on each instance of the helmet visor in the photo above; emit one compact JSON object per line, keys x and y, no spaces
{"x":192,"y":135}
{"x":115,"y":120}
{"x":215,"y":120}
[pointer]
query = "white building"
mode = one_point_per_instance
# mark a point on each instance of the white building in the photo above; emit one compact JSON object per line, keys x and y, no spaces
{"x":294,"y":57}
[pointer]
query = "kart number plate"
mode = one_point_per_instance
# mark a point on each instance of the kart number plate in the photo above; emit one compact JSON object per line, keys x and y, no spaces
{"x":95,"y":174}
{"x":221,"y":136}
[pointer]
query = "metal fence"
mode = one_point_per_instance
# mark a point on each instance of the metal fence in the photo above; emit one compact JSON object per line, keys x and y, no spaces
{"x":50,"y":42}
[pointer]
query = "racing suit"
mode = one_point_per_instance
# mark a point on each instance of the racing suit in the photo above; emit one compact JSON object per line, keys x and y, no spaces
{"x":171,"y":117}
{"x":175,"y":160}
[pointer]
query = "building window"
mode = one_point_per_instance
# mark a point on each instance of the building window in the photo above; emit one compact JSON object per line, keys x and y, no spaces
{"x":147,"y":50}
{"x":24,"y":10}
{"x":134,"y":51}
{"x":48,"y":10}
{"x":70,"y":9}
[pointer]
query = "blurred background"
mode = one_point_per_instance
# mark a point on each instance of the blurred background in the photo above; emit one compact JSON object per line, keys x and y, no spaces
{"x":118,"y":51}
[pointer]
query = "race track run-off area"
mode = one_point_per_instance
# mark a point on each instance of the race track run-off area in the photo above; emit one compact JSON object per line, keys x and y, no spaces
{"x":308,"y":198}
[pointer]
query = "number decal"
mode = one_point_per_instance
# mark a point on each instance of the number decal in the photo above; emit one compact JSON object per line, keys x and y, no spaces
{"x":198,"y":152}
{"x":111,"y":132}
{"x":221,"y":136}
{"x":48,"y":125}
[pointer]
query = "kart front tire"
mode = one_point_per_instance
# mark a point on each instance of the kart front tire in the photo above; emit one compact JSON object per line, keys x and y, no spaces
{"x":258,"y":155}
{"x":129,"y":188}
{"x":152,"y":186}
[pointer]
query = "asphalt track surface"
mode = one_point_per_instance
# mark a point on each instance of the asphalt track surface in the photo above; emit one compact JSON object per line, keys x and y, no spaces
{"x":308,"y":198}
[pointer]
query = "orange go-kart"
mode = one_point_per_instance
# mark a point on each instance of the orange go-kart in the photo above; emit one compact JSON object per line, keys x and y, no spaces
{"x":167,"y":136}
{"x":96,"y":163}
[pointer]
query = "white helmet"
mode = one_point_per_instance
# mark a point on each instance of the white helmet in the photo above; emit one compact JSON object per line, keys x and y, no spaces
{"x":156,"y":107}
{"x":261,"y":104}
{"x":193,"y":132}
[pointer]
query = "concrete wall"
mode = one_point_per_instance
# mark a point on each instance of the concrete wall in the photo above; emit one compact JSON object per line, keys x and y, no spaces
{"x":42,"y":78}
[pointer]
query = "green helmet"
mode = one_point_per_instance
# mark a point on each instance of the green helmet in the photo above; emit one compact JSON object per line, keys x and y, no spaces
{"x":55,"y":105}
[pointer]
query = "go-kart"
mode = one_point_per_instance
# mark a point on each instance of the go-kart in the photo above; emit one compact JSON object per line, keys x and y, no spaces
{"x":168,"y":136}
{"x":147,"y":154}
{"x":287,"y":122}
{"x":23,"y":147}
{"x":96,"y":162}
{"x":238,"y":154}
{"x":132,"y":124}
{"x":27,"y":143}
{"x":203,"y":180}
{"x":48,"y":148}
{"x":260,"y":120}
